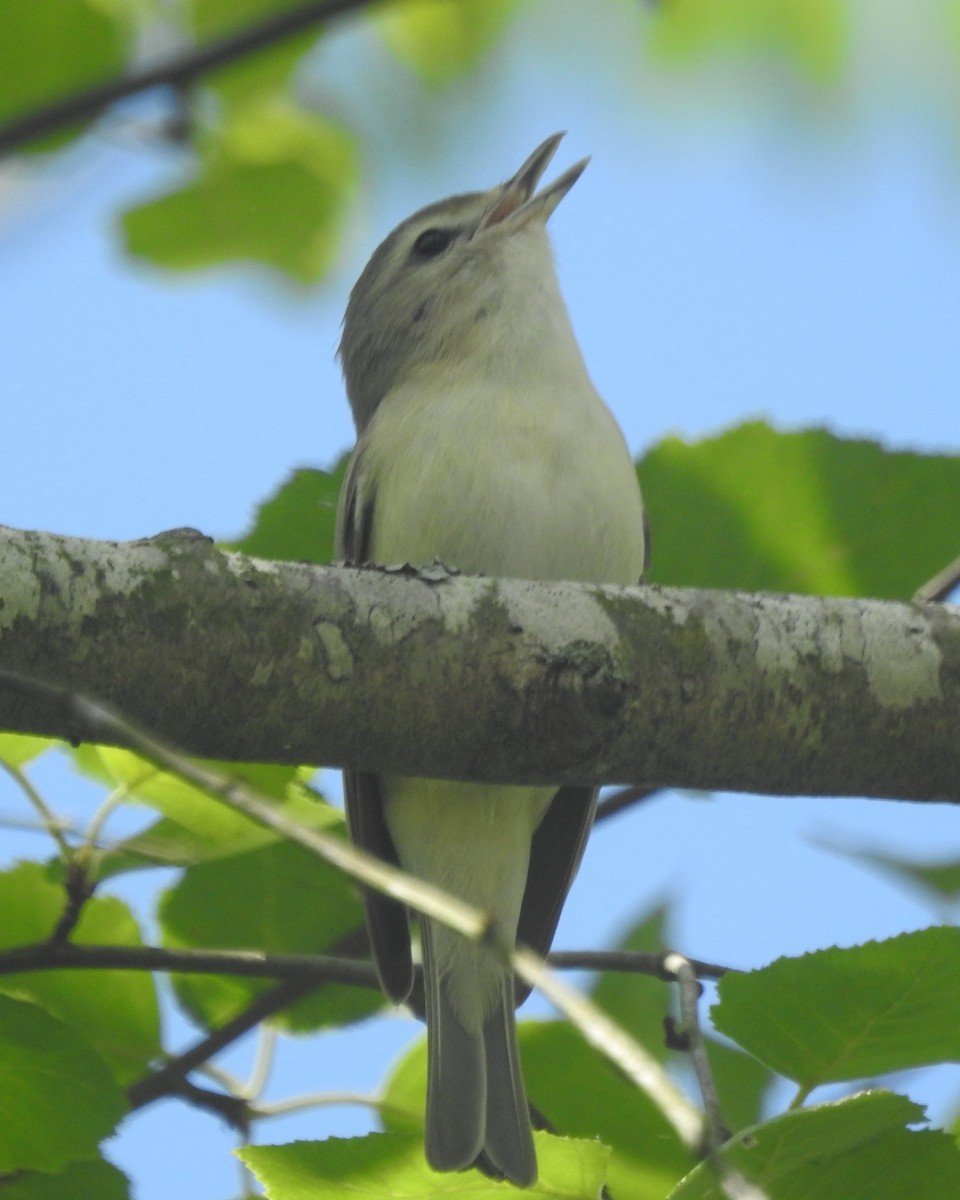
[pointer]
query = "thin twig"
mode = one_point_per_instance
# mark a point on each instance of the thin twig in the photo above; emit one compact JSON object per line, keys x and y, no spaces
{"x":630,"y":962}
{"x":600,"y":1031}
{"x":167,"y":1080}
{"x":51,"y":822}
{"x":262,"y":1063}
{"x":234,"y":1110}
{"x":120,"y":793}
{"x":282,"y":1108}
{"x":257,"y":964}
{"x":640,"y":1067}
{"x":623,"y":799}
{"x":308,"y":968}
{"x":176,"y":71}
{"x":79,"y":887}
{"x":732,"y":1183}
{"x":689,"y":988}
{"x":941,"y":585}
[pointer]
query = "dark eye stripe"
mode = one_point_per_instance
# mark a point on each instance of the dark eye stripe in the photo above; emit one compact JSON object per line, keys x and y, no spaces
{"x":432,"y":242}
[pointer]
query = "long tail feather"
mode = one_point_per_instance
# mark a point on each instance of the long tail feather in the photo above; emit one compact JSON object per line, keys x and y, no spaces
{"x":456,"y":1080}
{"x":508,"y":1139}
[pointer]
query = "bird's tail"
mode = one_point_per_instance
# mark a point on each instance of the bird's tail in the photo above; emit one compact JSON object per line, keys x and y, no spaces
{"x":476,"y":1102}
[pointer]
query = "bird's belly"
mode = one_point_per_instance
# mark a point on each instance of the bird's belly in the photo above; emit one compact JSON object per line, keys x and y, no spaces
{"x":473,"y":841}
{"x":555,"y":498}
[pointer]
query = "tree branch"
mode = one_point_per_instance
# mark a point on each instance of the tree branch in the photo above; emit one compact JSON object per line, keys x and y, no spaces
{"x":315,"y":968}
{"x":311,"y":968}
{"x":168,"y":1079}
{"x":942,"y":584}
{"x":471,"y":678}
{"x":177,"y":71}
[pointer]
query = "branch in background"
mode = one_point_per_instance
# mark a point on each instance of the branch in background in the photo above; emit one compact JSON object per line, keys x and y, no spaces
{"x":627,"y":1054}
{"x":690,"y":1038}
{"x":79,"y":888}
{"x":177,"y":71}
{"x":315,"y":968}
{"x":169,"y":1079}
{"x":236,"y":1111}
{"x":942,"y":584}
{"x":307,"y":968}
{"x":631,"y":962}
{"x":623,"y":1051}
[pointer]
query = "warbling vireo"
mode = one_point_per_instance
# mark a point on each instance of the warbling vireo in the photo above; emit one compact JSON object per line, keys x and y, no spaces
{"x":481,"y":443}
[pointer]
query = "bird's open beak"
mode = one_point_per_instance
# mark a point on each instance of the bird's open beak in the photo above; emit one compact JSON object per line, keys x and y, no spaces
{"x":517,"y":202}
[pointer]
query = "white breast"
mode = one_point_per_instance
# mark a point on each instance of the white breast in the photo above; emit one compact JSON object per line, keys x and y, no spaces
{"x":531,"y":482}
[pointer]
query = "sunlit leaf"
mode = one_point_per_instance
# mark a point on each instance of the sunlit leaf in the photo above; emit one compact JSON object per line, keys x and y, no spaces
{"x":50,"y":50}
{"x":214,"y":829}
{"x":393,"y":1164}
{"x":17,"y":749}
{"x":265,"y":70}
{"x":803,"y":512}
{"x":211,"y":18}
{"x":646,"y":1157}
{"x":858,"y":1147}
{"x":272,"y":188}
{"x":297,"y":522}
{"x":440,"y":41}
{"x":849,"y":1014}
{"x":809,"y":34}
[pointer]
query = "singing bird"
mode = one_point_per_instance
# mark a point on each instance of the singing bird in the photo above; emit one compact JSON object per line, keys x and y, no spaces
{"x":481,"y":443}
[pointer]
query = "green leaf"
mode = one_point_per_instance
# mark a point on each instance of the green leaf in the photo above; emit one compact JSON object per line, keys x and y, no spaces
{"x":209,"y":827}
{"x":297,"y":523}
{"x":278,"y":899}
{"x":440,"y":41}
{"x":263,"y":76}
{"x":849,"y":1014}
{"x":810,"y":34}
{"x":50,"y":50}
{"x":639,"y":1003}
{"x":802,"y":512}
{"x":273,"y":188}
{"x":405,"y":1090}
{"x":18,"y":749}
{"x":97,"y":1180}
{"x":742,"y":1083}
{"x":253,"y":76}
{"x":939,"y":881}
{"x":393,"y":1165}
{"x":57,"y":1097}
{"x":856,"y":1148}
{"x":115,"y":1010}
{"x":647,"y":1157}
{"x":213,"y":18}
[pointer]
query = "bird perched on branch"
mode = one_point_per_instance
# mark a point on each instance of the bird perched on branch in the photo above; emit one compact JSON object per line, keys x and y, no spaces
{"x":481,"y":443}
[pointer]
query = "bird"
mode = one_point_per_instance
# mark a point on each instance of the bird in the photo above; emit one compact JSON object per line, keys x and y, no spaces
{"x":483,"y":445}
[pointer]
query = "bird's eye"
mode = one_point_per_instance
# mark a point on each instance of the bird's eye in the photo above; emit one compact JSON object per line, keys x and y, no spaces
{"x":432,"y":242}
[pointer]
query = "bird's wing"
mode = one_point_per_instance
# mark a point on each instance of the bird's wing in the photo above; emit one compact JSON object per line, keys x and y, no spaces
{"x":387,"y":921}
{"x":555,"y":855}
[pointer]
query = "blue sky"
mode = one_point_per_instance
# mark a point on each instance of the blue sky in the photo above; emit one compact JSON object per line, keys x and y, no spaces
{"x":737,"y":247}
